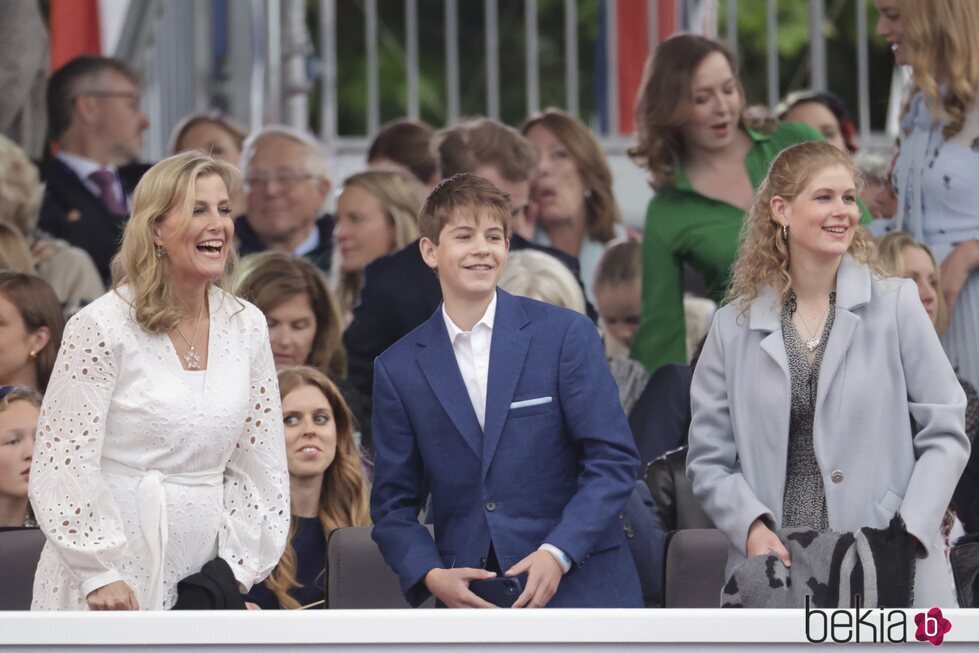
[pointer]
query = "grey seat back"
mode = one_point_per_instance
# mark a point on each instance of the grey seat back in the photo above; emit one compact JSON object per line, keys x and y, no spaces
{"x":20,"y":550}
{"x":357,"y":576}
{"x":695,"y":561}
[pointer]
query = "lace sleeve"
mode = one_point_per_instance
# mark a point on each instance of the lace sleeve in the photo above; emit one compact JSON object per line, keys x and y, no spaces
{"x":256,"y":481}
{"x":71,"y":504}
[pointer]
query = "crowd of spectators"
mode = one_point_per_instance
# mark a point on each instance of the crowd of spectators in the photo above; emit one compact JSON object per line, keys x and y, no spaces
{"x":129,"y":401}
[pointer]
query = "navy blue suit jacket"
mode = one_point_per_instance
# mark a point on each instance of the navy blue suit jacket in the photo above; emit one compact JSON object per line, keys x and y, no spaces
{"x":555,"y":463}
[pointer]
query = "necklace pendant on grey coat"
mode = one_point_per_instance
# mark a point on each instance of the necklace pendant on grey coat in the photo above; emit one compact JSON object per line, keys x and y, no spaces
{"x":812,"y":343}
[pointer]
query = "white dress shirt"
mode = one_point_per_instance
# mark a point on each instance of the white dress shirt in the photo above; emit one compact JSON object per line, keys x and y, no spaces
{"x":472,"y":352}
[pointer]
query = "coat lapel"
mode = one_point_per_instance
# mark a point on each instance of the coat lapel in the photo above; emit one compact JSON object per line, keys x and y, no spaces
{"x":438,"y":364}
{"x":853,"y":287}
{"x":507,"y":355}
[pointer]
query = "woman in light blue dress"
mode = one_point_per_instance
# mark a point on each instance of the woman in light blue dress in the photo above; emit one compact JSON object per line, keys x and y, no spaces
{"x":936,"y":176}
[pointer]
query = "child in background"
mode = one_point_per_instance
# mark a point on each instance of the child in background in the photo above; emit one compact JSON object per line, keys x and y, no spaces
{"x":618,"y":295}
{"x":19,"y":408}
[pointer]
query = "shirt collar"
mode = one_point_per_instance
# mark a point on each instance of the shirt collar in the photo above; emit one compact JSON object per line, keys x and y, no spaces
{"x":83,"y":167}
{"x":312,"y":242}
{"x":487,"y":320}
{"x":680,"y":176}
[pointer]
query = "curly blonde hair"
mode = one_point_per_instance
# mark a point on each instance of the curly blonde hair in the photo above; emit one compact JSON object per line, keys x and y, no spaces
{"x":763,"y":253}
{"x":344,"y":494}
{"x":665,"y":102}
{"x":943,"y":36}
{"x":168,"y":186}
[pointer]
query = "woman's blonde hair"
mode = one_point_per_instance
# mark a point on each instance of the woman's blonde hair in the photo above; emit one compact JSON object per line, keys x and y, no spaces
{"x":943,"y":38}
{"x":601,"y":209}
{"x":890,"y":256}
{"x":168,"y":187}
{"x":270,"y":278}
{"x":665,"y":102}
{"x":402,"y":198}
{"x":20,"y":188}
{"x":15,"y":254}
{"x":763,"y":254}
{"x":343,"y":496}
{"x":542,"y":277}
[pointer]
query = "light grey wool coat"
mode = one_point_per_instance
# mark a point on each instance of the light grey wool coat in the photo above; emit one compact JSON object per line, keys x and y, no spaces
{"x":883,"y":362}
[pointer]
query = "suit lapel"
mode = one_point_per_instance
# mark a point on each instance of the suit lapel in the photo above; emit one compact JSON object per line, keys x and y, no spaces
{"x":74,"y":193}
{"x":438,"y":364}
{"x":507,"y":354}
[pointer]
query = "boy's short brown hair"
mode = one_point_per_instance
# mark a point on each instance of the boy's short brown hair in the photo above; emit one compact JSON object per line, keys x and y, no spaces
{"x":463,"y":194}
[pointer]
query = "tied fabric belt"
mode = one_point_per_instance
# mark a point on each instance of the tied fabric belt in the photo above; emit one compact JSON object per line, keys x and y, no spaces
{"x":151,"y":501}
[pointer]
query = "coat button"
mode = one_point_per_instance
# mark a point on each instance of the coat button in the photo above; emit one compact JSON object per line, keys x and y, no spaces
{"x":837,"y":476}
{"x":491,"y":506}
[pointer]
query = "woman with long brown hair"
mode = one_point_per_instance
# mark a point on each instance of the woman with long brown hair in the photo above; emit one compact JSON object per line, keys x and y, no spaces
{"x":704,"y":162}
{"x":328,"y":488}
{"x":31,"y":326}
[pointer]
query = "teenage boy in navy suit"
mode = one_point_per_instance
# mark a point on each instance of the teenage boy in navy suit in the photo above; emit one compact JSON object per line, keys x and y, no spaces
{"x":504,"y":409}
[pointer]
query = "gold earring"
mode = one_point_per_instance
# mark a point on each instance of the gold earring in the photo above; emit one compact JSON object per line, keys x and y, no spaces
{"x":33,"y":354}
{"x":785,"y":232}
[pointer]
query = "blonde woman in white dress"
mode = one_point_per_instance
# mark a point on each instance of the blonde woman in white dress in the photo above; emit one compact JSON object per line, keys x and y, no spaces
{"x":160,"y":441}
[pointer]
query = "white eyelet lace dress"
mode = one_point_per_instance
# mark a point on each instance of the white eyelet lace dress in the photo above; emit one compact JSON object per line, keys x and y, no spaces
{"x":137,"y":476}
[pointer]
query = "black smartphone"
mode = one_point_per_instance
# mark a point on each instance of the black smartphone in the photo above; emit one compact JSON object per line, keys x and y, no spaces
{"x":501,"y":591}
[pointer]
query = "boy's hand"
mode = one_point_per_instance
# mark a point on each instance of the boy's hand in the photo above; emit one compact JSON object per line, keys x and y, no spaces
{"x":451,"y":586}
{"x":543,"y":577}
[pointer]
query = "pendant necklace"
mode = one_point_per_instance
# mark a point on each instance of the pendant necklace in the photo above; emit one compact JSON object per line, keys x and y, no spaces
{"x":192,"y":358}
{"x":813,"y":340}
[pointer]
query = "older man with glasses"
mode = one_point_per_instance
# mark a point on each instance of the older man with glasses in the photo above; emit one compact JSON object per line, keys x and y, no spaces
{"x":97,"y":125}
{"x":287,"y":184}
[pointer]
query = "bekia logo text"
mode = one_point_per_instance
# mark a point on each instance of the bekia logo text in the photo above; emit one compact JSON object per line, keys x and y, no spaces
{"x":876,"y":625}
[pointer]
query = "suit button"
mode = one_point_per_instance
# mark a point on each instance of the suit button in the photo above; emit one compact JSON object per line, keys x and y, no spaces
{"x":837,"y":476}
{"x":491,"y":506}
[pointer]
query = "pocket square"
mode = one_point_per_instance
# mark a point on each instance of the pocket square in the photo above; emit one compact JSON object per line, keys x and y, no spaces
{"x":530,"y":402}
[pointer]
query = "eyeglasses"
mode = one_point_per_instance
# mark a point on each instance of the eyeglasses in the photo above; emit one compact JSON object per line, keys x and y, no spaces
{"x":285,"y":179}
{"x":132,"y":98}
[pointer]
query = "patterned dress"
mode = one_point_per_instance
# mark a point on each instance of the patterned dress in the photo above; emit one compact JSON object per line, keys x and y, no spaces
{"x":804,"y":499}
{"x":937,"y":186}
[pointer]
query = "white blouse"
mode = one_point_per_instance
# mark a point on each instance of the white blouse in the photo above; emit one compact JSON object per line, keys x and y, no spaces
{"x":138,"y":477}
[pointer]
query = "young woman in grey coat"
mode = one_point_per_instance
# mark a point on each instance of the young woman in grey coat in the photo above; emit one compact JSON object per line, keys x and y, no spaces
{"x":802,"y":395}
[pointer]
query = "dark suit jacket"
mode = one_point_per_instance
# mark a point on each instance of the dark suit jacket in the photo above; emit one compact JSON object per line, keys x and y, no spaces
{"x":554,"y":463}
{"x":321,"y":257}
{"x":400,"y":292}
{"x":71,"y":211}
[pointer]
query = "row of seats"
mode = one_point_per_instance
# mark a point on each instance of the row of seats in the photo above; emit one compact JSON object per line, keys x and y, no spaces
{"x":359,"y":579}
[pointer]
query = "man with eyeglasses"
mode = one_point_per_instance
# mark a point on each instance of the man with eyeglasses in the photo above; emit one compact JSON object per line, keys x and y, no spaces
{"x":287,"y":184}
{"x":97,"y":127}
{"x":400,"y":291}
